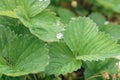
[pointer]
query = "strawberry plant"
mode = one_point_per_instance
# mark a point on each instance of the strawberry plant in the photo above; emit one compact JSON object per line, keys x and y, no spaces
{"x":43,"y":41}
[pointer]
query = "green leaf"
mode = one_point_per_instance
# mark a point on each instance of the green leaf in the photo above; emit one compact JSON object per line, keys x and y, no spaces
{"x":0,"y":75}
{"x":42,"y":23}
{"x":23,"y":55}
{"x":87,"y":43}
{"x":84,"y":42}
{"x":98,"y":18}
{"x":12,"y":78}
{"x":45,"y":26}
{"x":110,"y":4}
{"x":62,"y":60}
{"x":99,"y":67}
{"x":52,"y":77}
{"x":29,"y":8}
{"x":6,"y":36}
{"x":7,"y":21}
{"x":14,"y":24}
{"x":65,"y":15}
{"x":112,"y":29}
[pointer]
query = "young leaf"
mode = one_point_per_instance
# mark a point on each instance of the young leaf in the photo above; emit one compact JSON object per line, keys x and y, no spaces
{"x":23,"y":55}
{"x":30,"y":8}
{"x":62,"y":60}
{"x":87,"y":43}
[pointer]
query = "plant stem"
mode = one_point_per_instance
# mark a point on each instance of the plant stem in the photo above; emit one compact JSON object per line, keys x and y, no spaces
{"x":94,"y":76}
{"x":35,"y":77}
{"x":25,"y":78}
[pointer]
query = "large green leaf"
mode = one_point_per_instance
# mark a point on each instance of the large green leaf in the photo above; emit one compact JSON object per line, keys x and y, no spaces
{"x":62,"y":60}
{"x":45,"y":25}
{"x":23,"y":55}
{"x":42,"y":23}
{"x":29,"y":8}
{"x":87,"y":43}
{"x":84,"y":42}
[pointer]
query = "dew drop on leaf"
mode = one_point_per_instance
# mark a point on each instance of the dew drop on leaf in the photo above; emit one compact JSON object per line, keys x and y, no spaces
{"x":73,"y":18}
{"x":40,"y":0}
{"x":63,"y":29}
{"x":59,"y":35}
{"x":107,"y":22}
{"x":58,"y":23}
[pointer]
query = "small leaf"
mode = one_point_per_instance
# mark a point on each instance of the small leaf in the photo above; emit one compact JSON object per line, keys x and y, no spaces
{"x":24,"y":55}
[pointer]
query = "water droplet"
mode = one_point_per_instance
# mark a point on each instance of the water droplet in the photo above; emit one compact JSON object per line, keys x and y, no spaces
{"x":73,"y":18}
{"x":48,"y":57}
{"x":118,"y":64}
{"x":47,"y":63}
{"x":63,"y":29}
{"x":40,"y":0}
{"x":107,"y":22}
{"x":58,"y":23}
{"x":59,"y":36}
